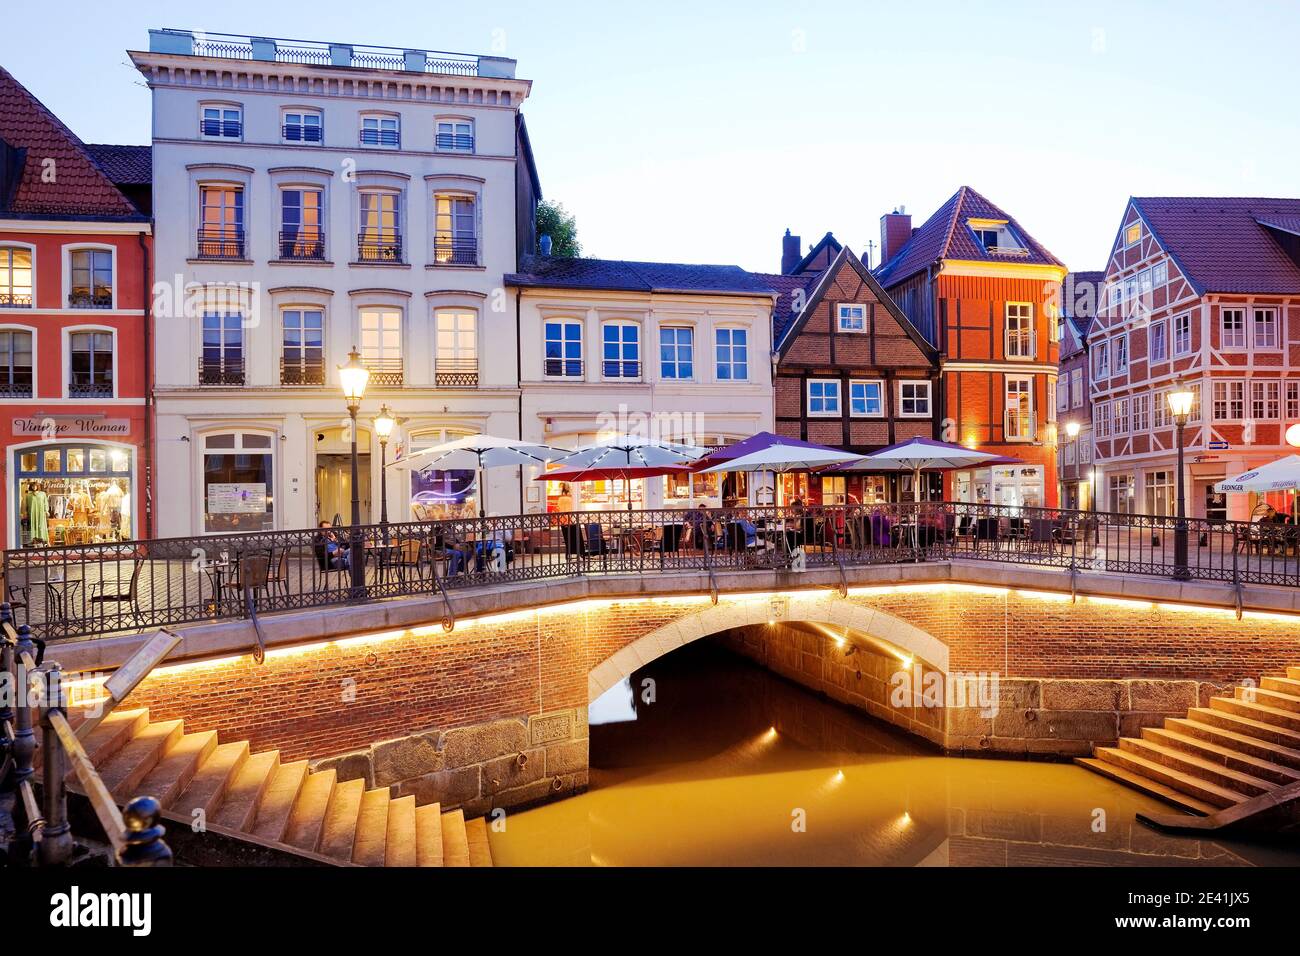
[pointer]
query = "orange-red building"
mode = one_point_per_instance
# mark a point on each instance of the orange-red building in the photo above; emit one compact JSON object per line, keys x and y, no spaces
{"x":74,"y":294}
{"x":982,"y":290}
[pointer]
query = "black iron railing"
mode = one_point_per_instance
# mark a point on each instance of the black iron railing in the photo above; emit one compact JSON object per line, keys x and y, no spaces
{"x":302,"y":244}
{"x":563,"y":368}
{"x":385,"y":372}
{"x":302,"y":371}
{"x":455,"y":373}
{"x":381,"y":137}
{"x":373,"y":248}
{"x":16,"y":389}
{"x":230,"y":128}
{"x":220,"y":244}
{"x":16,"y":300}
{"x":462,"y":142}
{"x":301,"y":133}
{"x":87,"y":299}
{"x":460,"y":251}
{"x":75,"y":591}
{"x":221,"y":371}
{"x":98,"y":388}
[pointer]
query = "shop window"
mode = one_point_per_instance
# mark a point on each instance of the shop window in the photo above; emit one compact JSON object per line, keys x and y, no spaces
{"x":73,"y":494}
{"x":237,"y":482}
{"x":441,"y":494}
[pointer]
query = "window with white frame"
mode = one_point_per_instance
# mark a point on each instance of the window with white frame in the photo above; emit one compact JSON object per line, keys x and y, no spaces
{"x":302,"y":226}
{"x":677,"y":352}
{"x":1265,"y":326}
{"x":1160,"y":408}
{"x":1158,"y":342}
{"x":1062,"y":389}
{"x":1067,"y":452}
{"x":91,"y":281}
{"x":15,"y":278}
{"x":302,"y":125}
{"x":222,"y":359}
{"x":1020,"y":330}
{"x":1052,"y":386}
{"x":1019,"y":419}
{"x":380,"y":130}
{"x":455,"y":134}
{"x":1101,"y":361}
{"x":867,"y":398}
{"x":1121,"y":494}
{"x":563,"y":345}
{"x":1265,"y":399}
{"x":221,"y":121}
{"x":1183,"y":334}
{"x":1121,"y":353}
{"x":913,"y":399}
{"x":1141,"y":413}
{"x":823,"y":397}
{"x":455,"y":361}
{"x":621,"y":345}
{"x":1133,"y":234}
{"x":1232,"y":324}
{"x":1119,"y":416}
{"x":380,"y":238}
{"x":1085,"y":449}
{"x":1160,"y":273}
{"x":221,"y":221}
{"x":1228,"y":401}
{"x":90,"y":364}
{"x":381,"y":345}
{"x":731,"y":354}
{"x":16,"y":375}
{"x":852,"y":317}
{"x":1160,"y":492}
{"x":1076,"y":387}
{"x":1195,"y":389}
{"x":455,"y":229}
{"x":1293,"y":401}
{"x":302,"y":356}
{"x":1101,"y":419}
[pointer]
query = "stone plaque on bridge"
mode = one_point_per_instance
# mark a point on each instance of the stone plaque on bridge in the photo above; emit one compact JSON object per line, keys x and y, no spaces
{"x":547,"y":728}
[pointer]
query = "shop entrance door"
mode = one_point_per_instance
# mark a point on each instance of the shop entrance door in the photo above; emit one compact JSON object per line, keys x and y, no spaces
{"x":334,"y":488}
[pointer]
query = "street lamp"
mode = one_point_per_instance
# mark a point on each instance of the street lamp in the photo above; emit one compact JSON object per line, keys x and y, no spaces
{"x":1180,"y":407}
{"x":1072,"y":433}
{"x":353,"y":378}
{"x":384,"y":423}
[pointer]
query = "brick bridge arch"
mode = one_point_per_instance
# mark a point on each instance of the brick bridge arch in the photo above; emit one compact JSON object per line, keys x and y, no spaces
{"x":818,"y":608}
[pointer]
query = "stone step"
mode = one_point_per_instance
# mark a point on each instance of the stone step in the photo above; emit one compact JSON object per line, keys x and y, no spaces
{"x":244,"y":793}
{"x":1227,"y":757}
{"x":455,"y":841}
{"x":1286,"y":685}
{"x":278,"y":801}
{"x":1242,"y":783}
{"x":123,"y":771}
{"x":208,"y":787}
{"x":372,"y":828}
{"x":1192,"y":726}
{"x":1195,"y":787}
{"x":1257,"y":711}
{"x":1151,"y":788}
{"x":1270,"y":733}
{"x":400,"y":844}
{"x":340,"y":830}
{"x":1269,"y":698}
{"x":476,"y":835}
{"x":177,"y":768}
{"x":114,"y":731}
{"x":428,"y":835}
{"x":308,"y":816}
{"x":1293,"y":673}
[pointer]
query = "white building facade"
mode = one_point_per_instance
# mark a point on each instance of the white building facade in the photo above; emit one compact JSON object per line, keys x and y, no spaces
{"x":311,"y":199}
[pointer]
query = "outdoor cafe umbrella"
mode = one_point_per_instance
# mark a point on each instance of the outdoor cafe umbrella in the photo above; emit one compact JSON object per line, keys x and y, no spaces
{"x":624,"y":455}
{"x":925,"y":454}
{"x":484,"y":451}
{"x":1280,"y":475}
{"x":773,"y":453}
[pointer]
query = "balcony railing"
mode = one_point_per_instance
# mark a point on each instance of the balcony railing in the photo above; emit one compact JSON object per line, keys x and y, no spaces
{"x":373,"y":248}
{"x":15,"y":300}
{"x":1020,"y":345}
{"x":384,"y":372}
{"x":621,"y":368}
{"x":302,"y":245}
{"x":220,"y":244}
{"x":86,"y":299}
{"x":381,"y":137}
{"x":98,"y":388}
{"x":223,"y":371}
{"x":16,"y":389}
{"x":563,"y":368}
{"x":460,"y":142}
{"x":302,"y":371}
{"x":299,"y":133}
{"x":458,"y":251}
{"x":226,"y":128}
{"x":455,"y":373}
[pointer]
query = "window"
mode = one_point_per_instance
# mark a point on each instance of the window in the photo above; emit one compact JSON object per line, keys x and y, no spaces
{"x":1051,"y":400}
{"x":1183,"y":334}
{"x":996,"y":236}
{"x":90,"y":364}
{"x":1233,"y":325}
{"x":1076,"y":387}
{"x":1067,"y":453}
{"x":15,"y":278}
{"x":302,"y":359}
{"x":1265,"y":400}
{"x":456,"y":361}
{"x":222,"y":359}
{"x":1141,"y":413}
{"x":1293,"y":401}
{"x":222,"y":122}
{"x":237,"y":488}
{"x":1062,"y":390}
{"x":1020,"y":330}
{"x":15,"y":364}
{"x":732,"y":354}
{"x":1119,"y":418}
{"x":381,"y":227}
{"x":384,"y":131}
{"x":852,"y":318}
{"x":621,"y":343}
{"x":1101,"y":361}
{"x":1132,"y":234}
{"x":455,"y":231}
{"x":302,"y":234}
{"x":92,"y":279}
{"x":1158,"y":342}
{"x":914,"y":399}
{"x":564,"y":349}
{"x":1195,"y":389}
{"x":1160,"y":406}
{"x":302,"y":126}
{"x":381,"y":345}
{"x":1101,"y":419}
{"x":834,"y":489}
{"x":1159,"y":273}
{"x":677,"y":353}
{"x":823,"y":397}
{"x":866,"y":399}
{"x":1160,"y":492}
{"x":1229,"y":401}
{"x":1121,"y":353}
{"x":221,"y":222}
{"x":1085,"y":449}
{"x":1121,"y":494}
{"x":1265,"y":328}
{"x":456,"y":135}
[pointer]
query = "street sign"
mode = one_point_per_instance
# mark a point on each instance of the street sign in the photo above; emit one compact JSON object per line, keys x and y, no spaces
{"x":1219,"y":445}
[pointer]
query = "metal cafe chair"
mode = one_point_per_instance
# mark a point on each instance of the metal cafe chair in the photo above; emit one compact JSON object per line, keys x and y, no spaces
{"x":101,"y":596}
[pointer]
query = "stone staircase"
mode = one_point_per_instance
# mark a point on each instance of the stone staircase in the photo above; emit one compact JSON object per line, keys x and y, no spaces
{"x":282,"y":804}
{"x":1216,"y":757}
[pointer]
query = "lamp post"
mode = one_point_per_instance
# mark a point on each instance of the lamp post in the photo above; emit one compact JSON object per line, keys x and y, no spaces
{"x":353,"y":378}
{"x":384,"y":423}
{"x":1072,"y":433}
{"x":1180,"y":407}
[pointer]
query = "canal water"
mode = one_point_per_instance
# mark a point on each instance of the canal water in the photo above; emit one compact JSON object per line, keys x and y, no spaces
{"x":705,"y":758}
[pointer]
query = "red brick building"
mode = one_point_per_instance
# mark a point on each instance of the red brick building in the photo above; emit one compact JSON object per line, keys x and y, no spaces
{"x":1080,"y":296}
{"x":986,"y":294}
{"x":74,"y":298}
{"x":851,"y":371}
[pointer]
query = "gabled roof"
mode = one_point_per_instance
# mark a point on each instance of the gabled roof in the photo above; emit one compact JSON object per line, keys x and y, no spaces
{"x":123,"y":165}
{"x":946,"y":235}
{"x":783,"y":311}
{"x":1080,"y":298}
{"x":58,"y":178}
{"x":827,"y":246}
{"x":1228,"y":244}
{"x":541,"y":272}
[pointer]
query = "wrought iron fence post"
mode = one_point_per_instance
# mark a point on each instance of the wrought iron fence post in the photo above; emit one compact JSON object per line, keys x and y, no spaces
{"x":144,"y":835}
{"x":56,"y":844}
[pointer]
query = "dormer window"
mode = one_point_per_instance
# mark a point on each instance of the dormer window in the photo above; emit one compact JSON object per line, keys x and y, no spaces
{"x":455,"y":135}
{"x":382,"y":131}
{"x":997,"y":237}
{"x":302,"y":126}
{"x":222,"y":122}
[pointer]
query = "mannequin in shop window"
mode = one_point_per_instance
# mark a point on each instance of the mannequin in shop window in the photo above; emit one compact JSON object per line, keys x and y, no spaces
{"x":36,"y":507}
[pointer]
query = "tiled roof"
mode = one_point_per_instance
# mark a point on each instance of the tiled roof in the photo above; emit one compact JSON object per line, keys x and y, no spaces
{"x":77,"y":186}
{"x":827,"y":247}
{"x":1080,"y":297}
{"x":945,"y":235}
{"x":784,"y":312}
{"x":124,"y":165}
{"x":614,"y":274}
{"x":1227,"y":244}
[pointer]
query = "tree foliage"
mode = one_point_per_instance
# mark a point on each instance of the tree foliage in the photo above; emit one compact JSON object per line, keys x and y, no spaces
{"x":557,"y":222}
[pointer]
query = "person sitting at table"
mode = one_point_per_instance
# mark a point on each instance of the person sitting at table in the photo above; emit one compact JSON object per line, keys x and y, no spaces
{"x":454,"y":555}
{"x":698,"y":522}
{"x":337,"y":555}
{"x":751,"y":533}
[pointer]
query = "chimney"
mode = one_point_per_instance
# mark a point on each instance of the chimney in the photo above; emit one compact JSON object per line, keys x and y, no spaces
{"x":895,"y":230}
{"x":790,"y":254}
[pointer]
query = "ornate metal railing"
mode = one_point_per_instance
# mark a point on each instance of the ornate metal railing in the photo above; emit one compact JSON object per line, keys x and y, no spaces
{"x":377,"y":248}
{"x":220,"y":244}
{"x":75,"y":591}
{"x":385,"y":372}
{"x":302,"y":371}
{"x":455,"y":372}
{"x":221,"y":371}
{"x":455,"y":251}
{"x":304,"y":243}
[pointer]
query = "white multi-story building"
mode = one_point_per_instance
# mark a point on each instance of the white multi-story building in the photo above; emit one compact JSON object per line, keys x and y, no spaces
{"x":311,"y":198}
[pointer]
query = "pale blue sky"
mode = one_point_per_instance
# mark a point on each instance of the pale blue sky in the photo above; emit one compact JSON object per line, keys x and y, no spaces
{"x":699,"y":132}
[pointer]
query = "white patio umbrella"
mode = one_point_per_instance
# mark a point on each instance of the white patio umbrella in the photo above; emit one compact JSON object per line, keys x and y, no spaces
{"x":629,"y":452}
{"x":479,"y":452}
{"x":925,"y":454}
{"x":1280,"y":475}
{"x":779,"y":459}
